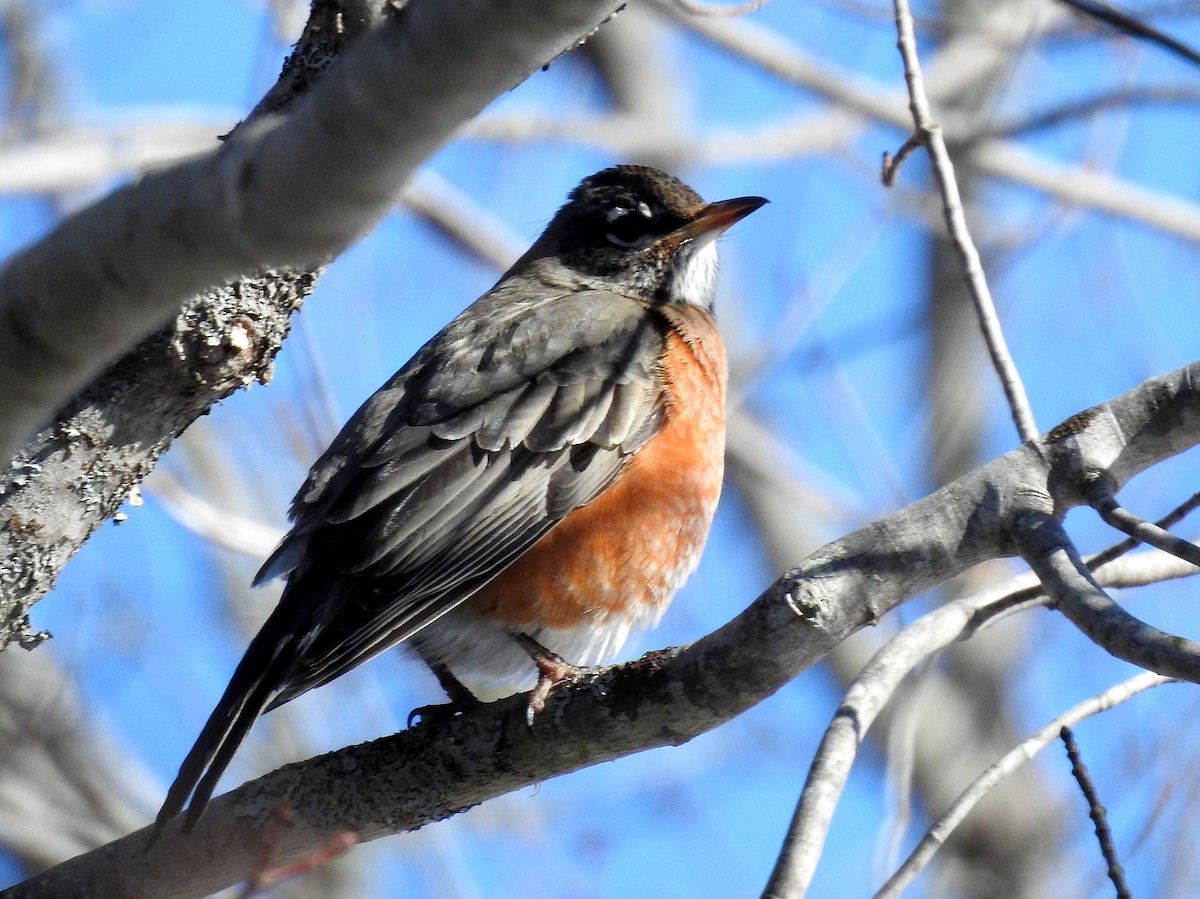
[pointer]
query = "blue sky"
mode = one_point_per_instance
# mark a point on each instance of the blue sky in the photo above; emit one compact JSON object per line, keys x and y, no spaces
{"x":1091,"y":305}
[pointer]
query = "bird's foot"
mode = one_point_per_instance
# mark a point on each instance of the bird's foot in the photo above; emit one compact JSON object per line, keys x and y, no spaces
{"x":441,"y":712}
{"x":461,"y":699}
{"x":552,"y":670}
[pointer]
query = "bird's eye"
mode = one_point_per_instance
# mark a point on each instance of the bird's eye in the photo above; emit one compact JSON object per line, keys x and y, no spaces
{"x":628,"y":227}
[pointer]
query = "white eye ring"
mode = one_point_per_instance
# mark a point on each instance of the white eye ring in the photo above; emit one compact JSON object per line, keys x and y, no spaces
{"x":617,"y":211}
{"x":620,"y":212}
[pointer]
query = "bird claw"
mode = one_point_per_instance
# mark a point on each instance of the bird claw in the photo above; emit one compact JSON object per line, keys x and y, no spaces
{"x":441,"y":712}
{"x":552,"y":670}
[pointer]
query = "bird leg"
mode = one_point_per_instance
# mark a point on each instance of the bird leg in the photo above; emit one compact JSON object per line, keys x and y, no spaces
{"x":455,"y":689}
{"x":552,"y":670}
{"x":461,"y":698}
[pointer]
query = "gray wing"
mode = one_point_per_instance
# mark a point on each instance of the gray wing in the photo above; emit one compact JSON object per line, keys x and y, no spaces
{"x":501,"y":425}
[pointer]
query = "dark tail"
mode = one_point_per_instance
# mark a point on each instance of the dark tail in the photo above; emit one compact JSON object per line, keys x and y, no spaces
{"x":259,"y":676}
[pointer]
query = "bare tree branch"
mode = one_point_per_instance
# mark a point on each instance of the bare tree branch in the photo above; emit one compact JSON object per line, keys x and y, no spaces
{"x":460,"y":218}
{"x":218,"y":526}
{"x":1075,"y":110}
{"x":931,"y":136}
{"x":1097,"y":813}
{"x":936,"y":835}
{"x":954,"y":62}
{"x":1132,"y":26}
{"x":428,"y":772}
{"x":700,"y":8}
{"x":1172,"y":518}
{"x":864,"y":699}
{"x":66,"y":785}
{"x":70,"y":157}
{"x":1045,"y":546}
{"x":32,"y":83}
{"x":1081,"y":185}
{"x":876,"y":685}
{"x":836,"y":592}
{"x":291,"y":190}
{"x":1103,"y":500}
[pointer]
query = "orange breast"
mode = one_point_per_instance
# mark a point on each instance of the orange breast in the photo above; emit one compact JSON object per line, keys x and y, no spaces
{"x":623,"y":555}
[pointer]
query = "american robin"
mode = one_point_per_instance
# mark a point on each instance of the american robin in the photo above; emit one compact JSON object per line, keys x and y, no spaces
{"x":538,"y":480}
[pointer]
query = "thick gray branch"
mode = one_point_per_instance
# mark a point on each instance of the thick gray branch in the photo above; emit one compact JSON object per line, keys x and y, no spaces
{"x":291,"y":189}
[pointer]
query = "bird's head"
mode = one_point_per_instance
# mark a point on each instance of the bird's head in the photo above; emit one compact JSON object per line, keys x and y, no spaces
{"x":641,"y":232}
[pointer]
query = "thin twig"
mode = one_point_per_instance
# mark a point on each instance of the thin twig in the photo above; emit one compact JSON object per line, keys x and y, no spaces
{"x":854,"y":96}
{"x":891,"y":164}
{"x":1074,"y":110}
{"x":1133,"y":27}
{"x":1169,"y":520}
{"x":930,"y":134}
{"x":1115,"y":569}
{"x":1104,"y":501}
{"x":1097,"y":813}
{"x":1043,"y":543}
{"x":1014,"y":759}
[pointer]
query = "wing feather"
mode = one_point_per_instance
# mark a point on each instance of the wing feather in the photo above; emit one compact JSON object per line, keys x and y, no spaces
{"x":632,"y":402}
{"x":504,"y":431}
{"x":390,"y":480}
{"x":495,"y":431}
{"x":374,"y":621}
